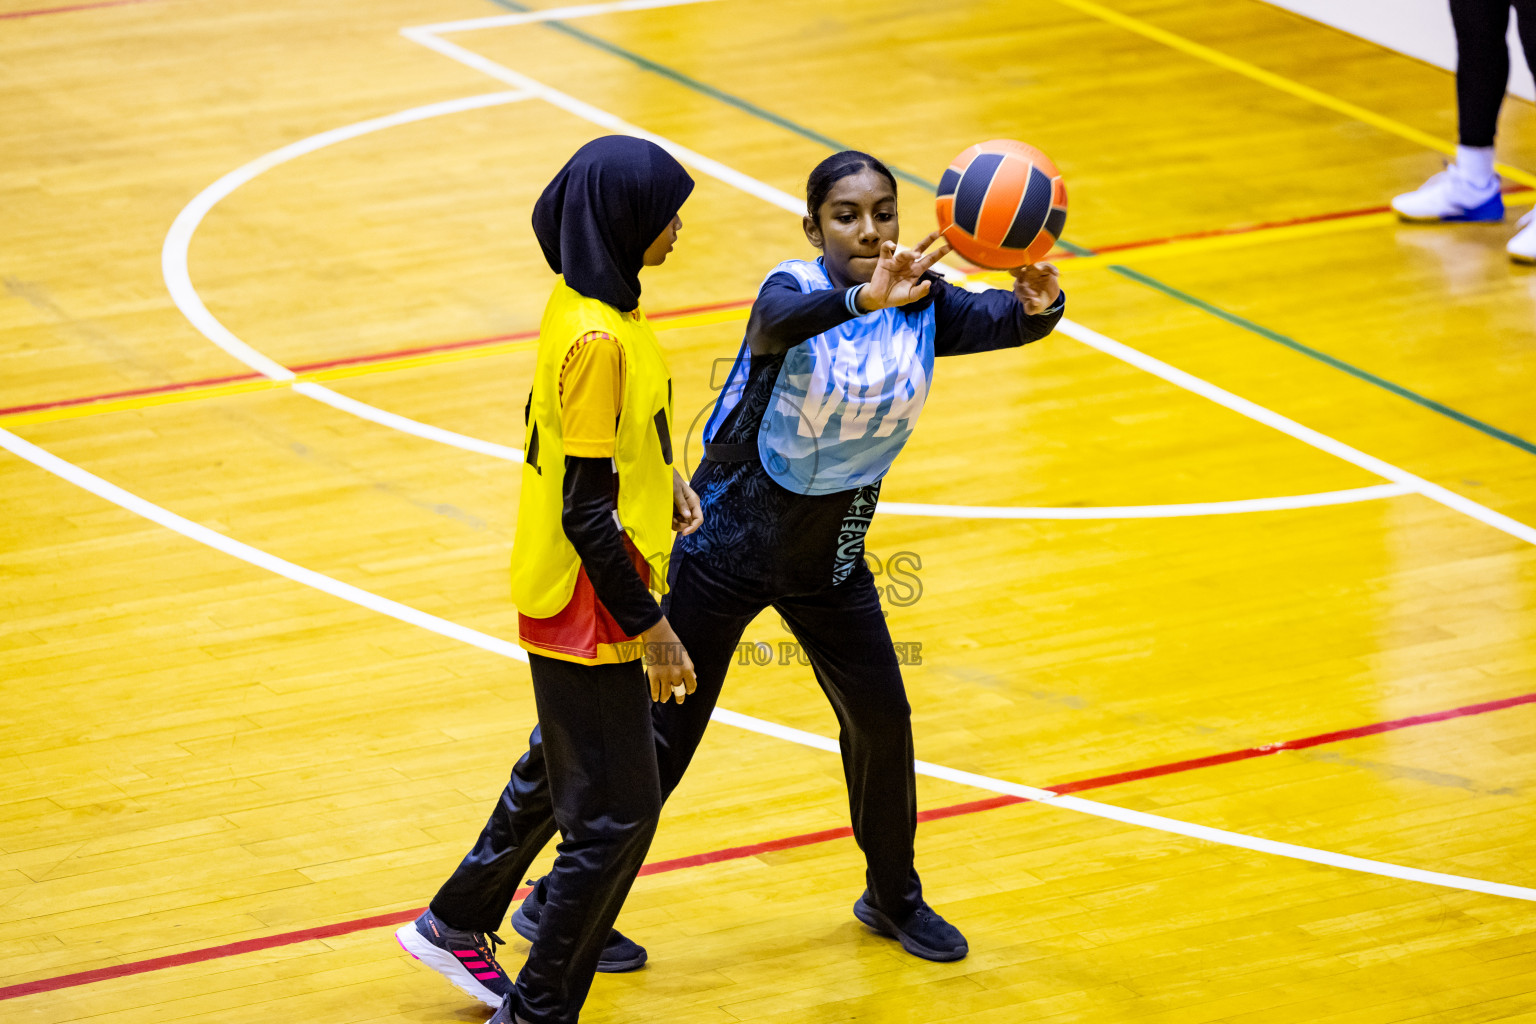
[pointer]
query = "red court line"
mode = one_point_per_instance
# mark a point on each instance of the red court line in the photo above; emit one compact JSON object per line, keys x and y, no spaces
{"x":72,"y":7}
{"x":362,"y":360}
{"x":380,"y":357}
{"x":1316,"y":218}
{"x":449,"y":346}
{"x":186,"y":385}
{"x":739,"y":852}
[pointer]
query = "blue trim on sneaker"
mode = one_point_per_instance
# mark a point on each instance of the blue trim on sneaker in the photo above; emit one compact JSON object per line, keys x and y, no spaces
{"x":1492,"y":210}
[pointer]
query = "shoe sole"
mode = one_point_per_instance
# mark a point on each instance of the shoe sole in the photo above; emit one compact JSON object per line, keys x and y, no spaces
{"x":530,"y":931}
{"x":1408,"y":218}
{"x":446,"y":964}
{"x":882,"y":925}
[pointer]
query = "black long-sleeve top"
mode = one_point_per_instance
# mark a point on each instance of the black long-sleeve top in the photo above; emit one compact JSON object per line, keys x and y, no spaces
{"x":801,"y":543}
{"x":964,"y":321}
{"x":588,"y":517}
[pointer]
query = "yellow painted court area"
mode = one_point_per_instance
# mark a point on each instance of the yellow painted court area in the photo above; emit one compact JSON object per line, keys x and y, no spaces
{"x":1274,"y":484}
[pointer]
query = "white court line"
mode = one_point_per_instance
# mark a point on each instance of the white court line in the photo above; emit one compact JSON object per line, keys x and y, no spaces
{"x":1203,"y":508}
{"x":1144,"y":820}
{"x":1070,"y":328}
{"x":603,"y":119}
{"x":404,"y":613}
{"x":1286,"y":425}
{"x":397,"y":422}
{"x":255,"y":556}
{"x":184,"y":294}
{"x":173,"y":265}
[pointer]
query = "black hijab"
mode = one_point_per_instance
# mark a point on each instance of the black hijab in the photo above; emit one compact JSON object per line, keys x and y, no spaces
{"x":603,"y":210}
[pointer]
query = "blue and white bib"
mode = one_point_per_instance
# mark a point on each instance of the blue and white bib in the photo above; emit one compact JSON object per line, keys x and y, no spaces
{"x":845,"y":401}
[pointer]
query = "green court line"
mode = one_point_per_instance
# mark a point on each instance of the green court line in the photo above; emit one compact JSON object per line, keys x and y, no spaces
{"x":1324,"y":357}
{"x":785,"y":123}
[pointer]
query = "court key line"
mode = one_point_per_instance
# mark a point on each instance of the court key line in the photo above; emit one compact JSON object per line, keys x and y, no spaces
{"x":173,"y":265}
{"x":730,"y":853}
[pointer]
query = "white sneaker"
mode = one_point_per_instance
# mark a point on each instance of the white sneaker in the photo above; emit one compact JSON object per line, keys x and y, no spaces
{"x":1449,"y":197}
{"x":1522,"y":248}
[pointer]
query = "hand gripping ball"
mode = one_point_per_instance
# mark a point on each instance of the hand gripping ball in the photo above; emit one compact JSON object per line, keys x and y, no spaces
{"x":1001,"y":204}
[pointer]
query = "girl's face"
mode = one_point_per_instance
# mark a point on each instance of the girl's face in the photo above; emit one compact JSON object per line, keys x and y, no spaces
{"x":858,"y":214}
{"x":656,"y":252}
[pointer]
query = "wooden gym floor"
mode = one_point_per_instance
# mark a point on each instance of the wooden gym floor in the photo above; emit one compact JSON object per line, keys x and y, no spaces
{"x":256,"y":509}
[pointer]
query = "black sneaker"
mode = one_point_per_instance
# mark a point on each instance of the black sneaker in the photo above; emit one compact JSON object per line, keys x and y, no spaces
{"x":467,"y":959}
{"x":924,"y":933}
{"x":619,"y":955}
{"x":505,"y":1015}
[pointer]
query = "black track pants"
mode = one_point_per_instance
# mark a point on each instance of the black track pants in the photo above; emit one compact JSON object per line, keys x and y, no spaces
{"x":1482,"y":61}
{"x":590,"y":772}
{"x":843,"y":634}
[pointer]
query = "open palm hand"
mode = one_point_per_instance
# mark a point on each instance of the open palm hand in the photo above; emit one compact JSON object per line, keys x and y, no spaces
{"x":898,"y":276}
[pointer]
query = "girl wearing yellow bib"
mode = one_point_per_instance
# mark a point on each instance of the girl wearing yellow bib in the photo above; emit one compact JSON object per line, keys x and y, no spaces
{"x":599,"y":503}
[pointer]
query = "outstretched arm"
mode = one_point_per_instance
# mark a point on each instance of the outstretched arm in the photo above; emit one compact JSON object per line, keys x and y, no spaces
{"x":982,"y":321}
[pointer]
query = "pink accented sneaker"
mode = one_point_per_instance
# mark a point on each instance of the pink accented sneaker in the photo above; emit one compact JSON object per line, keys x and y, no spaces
{"x":466,"y":959}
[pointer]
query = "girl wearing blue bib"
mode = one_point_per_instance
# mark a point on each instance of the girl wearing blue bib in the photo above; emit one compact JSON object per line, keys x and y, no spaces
{"x":826,"y":390}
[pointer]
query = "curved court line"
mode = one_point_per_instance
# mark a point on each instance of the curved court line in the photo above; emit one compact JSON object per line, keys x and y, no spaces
{"x":178,"y":241}
{"x":484,"y":641}
{"x":426,"y":431}
{"x":1203,"y":508}
{"x":1286,"y":425}
{"x":255,"y":556}
{"x":173,"y":265}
